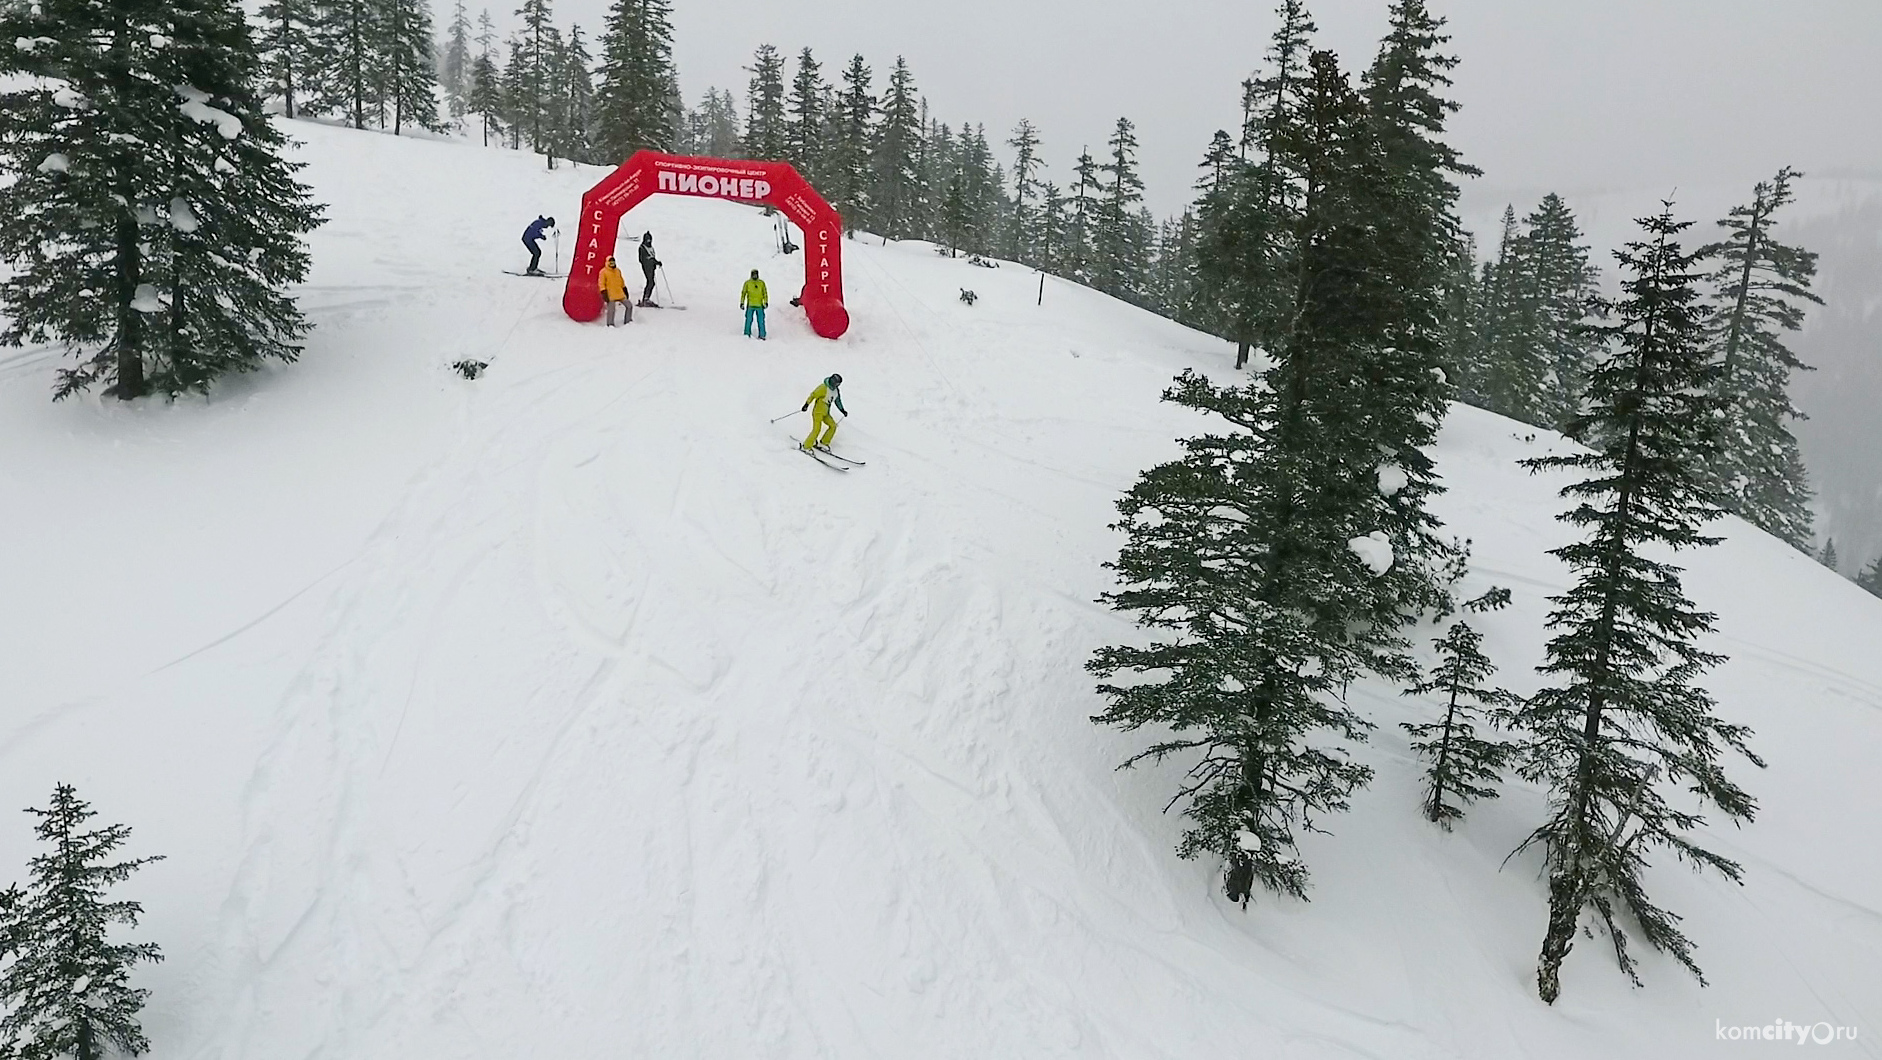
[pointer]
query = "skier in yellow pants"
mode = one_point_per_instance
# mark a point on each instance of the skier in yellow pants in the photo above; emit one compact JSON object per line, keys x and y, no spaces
{"x":818,"y":405}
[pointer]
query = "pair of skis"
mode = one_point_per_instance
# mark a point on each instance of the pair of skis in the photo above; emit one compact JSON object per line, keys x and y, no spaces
{"x":828,"y":459}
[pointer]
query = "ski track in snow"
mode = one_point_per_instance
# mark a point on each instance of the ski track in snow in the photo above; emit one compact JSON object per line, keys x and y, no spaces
{"x":567,"y":711}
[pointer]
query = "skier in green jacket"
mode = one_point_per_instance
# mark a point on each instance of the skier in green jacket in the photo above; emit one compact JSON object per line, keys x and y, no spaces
{"x":818,"y":405}
{"x":753,"y":300}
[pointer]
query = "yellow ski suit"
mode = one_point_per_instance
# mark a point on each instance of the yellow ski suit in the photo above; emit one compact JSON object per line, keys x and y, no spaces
{"x":819,"y":403}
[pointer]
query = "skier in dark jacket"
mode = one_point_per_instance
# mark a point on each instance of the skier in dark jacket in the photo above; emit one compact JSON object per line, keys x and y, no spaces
{"x":648,"y":263}
{"x":532,"y":238}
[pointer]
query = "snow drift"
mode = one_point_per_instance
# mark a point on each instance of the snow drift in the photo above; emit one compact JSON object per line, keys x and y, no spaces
{"x":570,"y":712}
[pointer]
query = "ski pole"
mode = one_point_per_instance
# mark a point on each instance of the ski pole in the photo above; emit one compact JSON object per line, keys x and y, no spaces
{"x":788,"y":415}
{"x":558,"y":251}
{"x":663,"y":279}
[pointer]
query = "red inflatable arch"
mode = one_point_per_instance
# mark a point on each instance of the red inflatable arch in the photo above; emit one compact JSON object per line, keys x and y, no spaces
{"x":774,"y":183}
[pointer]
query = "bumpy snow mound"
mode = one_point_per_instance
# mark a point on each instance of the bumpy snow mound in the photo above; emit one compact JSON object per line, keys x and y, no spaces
{"x":570,"y":712}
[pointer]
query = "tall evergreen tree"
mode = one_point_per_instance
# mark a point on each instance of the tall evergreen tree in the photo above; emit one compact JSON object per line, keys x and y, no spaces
{"x":530,"y":80}
{"x":1118,"y":246}
{"x":485,"y":94}
{"x":1828,"y":556}
{"x":638,"y":80}
{"x":454,"y":64}
{"x":154,"y":223}
{"x":1629,"y":720}
{"x":1250,"y":208}
{"x":765,"y":135}
{"x":1871,"y":577}
{"x":1760,"y":288}
{"x":1026,"y":165}
{"x":290,"y":45}
{"x":1082,"y":221}
{"x":1515,"y":375}
{"x":1259,"y":555}
{"x":517,"y":104}
{"x":1560,"y":278}
{"x":410,"y":82}
{"x":1464,"y":322}
{"x":721,"y":125}
{"x":1051,"y":231}
{"x":349,"y":81}
{"x":67,"y":991}
{"x":1463,"y":764}
{"x":849,"y":172}
{"x":804,"y":118}
{"x":894,"y":198}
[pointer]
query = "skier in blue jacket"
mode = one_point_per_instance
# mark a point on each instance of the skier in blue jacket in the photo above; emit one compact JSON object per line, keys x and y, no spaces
{"x":532,"y":238}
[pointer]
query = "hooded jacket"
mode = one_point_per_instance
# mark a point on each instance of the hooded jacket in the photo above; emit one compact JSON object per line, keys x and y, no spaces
{"x":613,"y":284}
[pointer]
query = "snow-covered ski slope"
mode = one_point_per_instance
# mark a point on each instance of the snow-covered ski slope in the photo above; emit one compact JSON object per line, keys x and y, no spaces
{"x":568,"y":712}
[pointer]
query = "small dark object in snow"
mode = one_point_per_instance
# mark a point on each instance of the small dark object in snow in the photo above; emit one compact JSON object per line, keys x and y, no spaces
{"x":975,"y":259}
{"x":795,"y":302}
{"x":968,"y":296}
{"x":471,"y":369}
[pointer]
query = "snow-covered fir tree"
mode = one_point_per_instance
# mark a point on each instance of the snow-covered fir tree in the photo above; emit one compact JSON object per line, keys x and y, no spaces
{"x":1413,"y":195}
{"x":1119,"y":247}
{"x":141,"y":144}
{"x":1025,"y":143}
{"x":484,"y":96}
{"x":1628,"y":722}
{"x":848,"y":173}
{"x":894,"y":199}
{"x":1513,"y":372}
{"x":1871,"y":577}
{"x":454,"y":61}
{"x":291,"y":45}
{"x":1827,"y":557}
{"x":1463,"y":321}
{"x":638,"y":80}
{"x":765,"y":135}
{"x":348,"y":80}
{"x":1258,"y":557}
{"x":65,"y":985}
{"x":1249,"y":207}
{"x":1463,"y":763}
{"x":409,"y":80}
{"x":1759,"y":290}
{"x":1052,"y":228}
{"x":571,"y":99}
{"x":804,"y":118}
{"x":528,"y":77}
{"x":1078,"y":256}
{"x":1558,"y":279}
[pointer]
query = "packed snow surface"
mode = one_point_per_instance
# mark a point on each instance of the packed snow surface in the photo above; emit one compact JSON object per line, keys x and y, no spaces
{"x":569,"y":712}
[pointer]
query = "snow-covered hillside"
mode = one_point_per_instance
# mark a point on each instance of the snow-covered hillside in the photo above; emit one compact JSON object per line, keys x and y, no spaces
{"x":568,"y":712}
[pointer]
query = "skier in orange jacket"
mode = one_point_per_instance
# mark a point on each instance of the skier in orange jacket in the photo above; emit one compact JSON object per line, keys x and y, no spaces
{"x":614,"y":292}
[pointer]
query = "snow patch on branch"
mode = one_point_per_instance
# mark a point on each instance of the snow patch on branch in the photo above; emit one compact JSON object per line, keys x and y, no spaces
{"x":195,"y":106}
{"x":182,"y":218}
{"x":147,"y":300}
{"x":65,"y":96}
{"x":55,"y":163}
{"x":29,"y":45}
{"x":1374,"y":550}
{"x":1392,"y":479}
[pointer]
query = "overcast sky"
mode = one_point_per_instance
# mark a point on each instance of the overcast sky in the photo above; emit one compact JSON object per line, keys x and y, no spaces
{"x":1581,"y":96}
